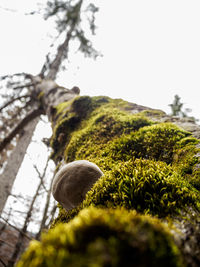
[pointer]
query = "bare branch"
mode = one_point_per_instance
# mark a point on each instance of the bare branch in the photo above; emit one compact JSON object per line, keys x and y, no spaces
{"x":3,"y":263}
{"x":52,"y":214}
{"x":8,"y":9}
{"x":26,"y":75}
{"x":41,"y":176}
{"x":2,"y":241}
{"x":25,"y":85}
{"x":32,"y":115}
{"x":27,"y":219}
{"x":44,"y":217}
{"x":13,"y":100}
{"x":14,"y":227}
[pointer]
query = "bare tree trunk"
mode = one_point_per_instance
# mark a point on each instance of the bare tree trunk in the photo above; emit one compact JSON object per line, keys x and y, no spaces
{"x":7,"y":178}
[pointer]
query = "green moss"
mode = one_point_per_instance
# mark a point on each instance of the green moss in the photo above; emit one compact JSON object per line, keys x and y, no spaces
{"x":186,"y":162}
{"x":41,"y":94}
{"x":153,"y":113}
{"x":105,"y":238}
{"x":63,"y":107}
{"x":113,"y":138}
{"x":104,"y":125}
{"x":157,"y":142}
{"x":145,"y":185}
{"x":149,"y":167}
{"x":62,"y":133}
{"x":68,"y":117}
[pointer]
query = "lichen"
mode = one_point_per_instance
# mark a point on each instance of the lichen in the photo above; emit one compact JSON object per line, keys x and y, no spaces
{"x":99,"y":237}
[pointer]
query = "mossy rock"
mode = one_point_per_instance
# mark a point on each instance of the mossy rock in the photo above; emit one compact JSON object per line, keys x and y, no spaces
{"x":101,"y":238}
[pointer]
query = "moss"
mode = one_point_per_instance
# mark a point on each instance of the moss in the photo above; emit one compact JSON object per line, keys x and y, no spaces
{"x":41,"y":94}
{"x":153,"y":113}
{"x":62,"y":134}
{"x":105,"y":238}
{"x":157,"y":141}
{"x":149,"y":167}
{"x":104,"y":125}
{"x":63,"y":107}
{"x":65,"y":217}
{"x":147,"y":186}
{"x":113,"y":138}
{"x":186,"y":161}
{"x":68,"y":117}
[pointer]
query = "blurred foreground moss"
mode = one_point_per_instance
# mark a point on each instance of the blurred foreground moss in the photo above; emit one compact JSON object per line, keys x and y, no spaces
{"x":98,"y":237}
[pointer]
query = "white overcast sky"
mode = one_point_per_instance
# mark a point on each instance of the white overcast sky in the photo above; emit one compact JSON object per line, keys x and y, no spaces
{"x":151,"y":50}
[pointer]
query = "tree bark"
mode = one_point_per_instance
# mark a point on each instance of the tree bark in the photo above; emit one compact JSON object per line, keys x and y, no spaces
{"x":7,"y":178}
{"x":31,"y":116}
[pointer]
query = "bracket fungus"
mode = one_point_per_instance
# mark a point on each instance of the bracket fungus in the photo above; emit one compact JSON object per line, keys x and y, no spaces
{"x":73,"y":181}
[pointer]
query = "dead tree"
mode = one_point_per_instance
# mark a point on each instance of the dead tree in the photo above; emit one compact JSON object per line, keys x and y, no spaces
{"x":42,"y":90}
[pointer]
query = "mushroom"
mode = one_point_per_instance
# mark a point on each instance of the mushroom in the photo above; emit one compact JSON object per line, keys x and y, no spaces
{"x":73,"y":181}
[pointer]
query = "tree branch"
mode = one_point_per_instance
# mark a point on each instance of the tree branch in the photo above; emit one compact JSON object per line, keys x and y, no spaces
{"x":32,"y":115}
{"x":25,"y":85}
{"x":14,"y":227}
{"x":15,"y":74}
{"x":8,"y":244}
{"x":13,"y":100}
{"x":3,"y":263}
{"x":55,"y":65}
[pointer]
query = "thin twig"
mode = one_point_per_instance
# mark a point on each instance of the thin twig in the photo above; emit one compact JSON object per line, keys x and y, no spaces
{"x":25,"y":85}
{"x":13,"y":100}
{"x":15,"y":74}
{"x":16,"y":229}
{"x":10,"y":245}
{"x":3,"y":262}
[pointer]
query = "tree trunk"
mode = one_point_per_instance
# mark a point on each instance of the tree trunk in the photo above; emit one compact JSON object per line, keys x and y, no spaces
{"x":7,"y":178}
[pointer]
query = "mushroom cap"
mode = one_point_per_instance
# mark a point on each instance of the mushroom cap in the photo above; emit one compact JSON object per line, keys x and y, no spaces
{"x":73,"y":181}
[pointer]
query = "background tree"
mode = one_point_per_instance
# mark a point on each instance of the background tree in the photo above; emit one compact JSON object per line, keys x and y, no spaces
{"x":177,"y":109}
{"x":26,"y":96}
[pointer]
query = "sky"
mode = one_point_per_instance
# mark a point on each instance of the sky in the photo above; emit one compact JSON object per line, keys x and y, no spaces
{"x":151,"y":50}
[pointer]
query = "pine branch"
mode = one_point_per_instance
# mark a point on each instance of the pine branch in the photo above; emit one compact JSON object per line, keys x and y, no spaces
{"x":32,"y":115}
